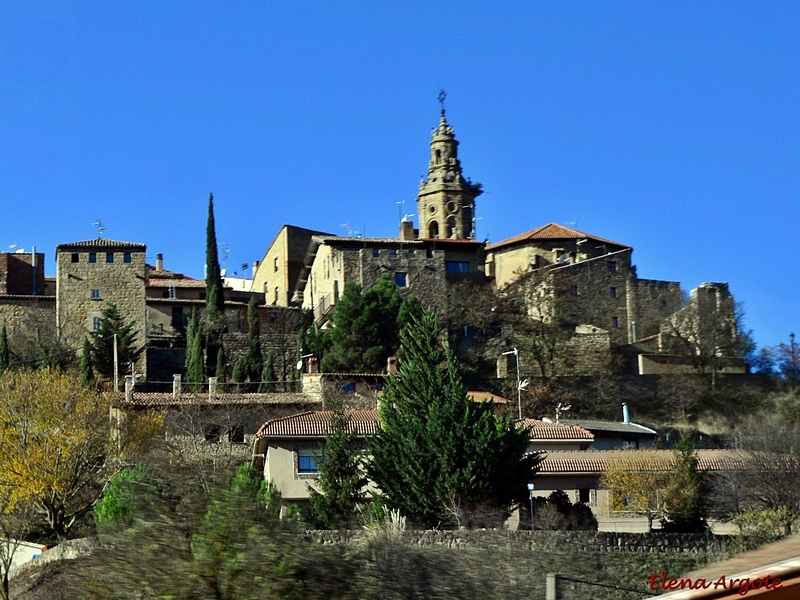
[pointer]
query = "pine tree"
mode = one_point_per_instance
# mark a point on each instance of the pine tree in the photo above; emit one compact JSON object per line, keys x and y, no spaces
{"x":87,"y":371}
{"x":364,"y":330}
{"x":5,"y":359}
{"x":102,"y":340}
{"x":255,"y":360}
{"x":438,"y":455}
{"x":195,"y":373}
{"x":686,"y":493}
{"x":341,"y":478}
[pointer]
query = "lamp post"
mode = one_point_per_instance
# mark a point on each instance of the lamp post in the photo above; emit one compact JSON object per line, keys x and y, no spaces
{"x":530,"y":498}
{"x":519,"y":384}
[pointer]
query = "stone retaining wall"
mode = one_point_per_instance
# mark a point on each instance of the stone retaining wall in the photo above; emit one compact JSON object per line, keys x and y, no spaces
{"x":543,"y":541}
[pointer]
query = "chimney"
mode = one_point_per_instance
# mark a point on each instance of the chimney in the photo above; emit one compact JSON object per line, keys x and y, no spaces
{"x":313,"y":365}
{"x":391,"y":365}
{"x":406,"y":230}
{"x":626,"y":416}
{"x":159,"y":263}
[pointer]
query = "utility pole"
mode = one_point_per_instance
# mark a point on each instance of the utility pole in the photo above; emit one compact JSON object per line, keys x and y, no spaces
{"x":116,"y":365}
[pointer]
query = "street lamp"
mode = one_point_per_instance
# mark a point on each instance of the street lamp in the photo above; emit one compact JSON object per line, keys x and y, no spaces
{"x":530,"y":497}
{"x":519,"y":383}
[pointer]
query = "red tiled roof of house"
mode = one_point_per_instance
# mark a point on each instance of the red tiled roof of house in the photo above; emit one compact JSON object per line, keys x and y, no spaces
{"x":487,"y":397}
{"x":594,"y":461}
{"x":552,"y":231}
{"x":178,"y":282}
{"x":544,"y":430}
{"x":316,"y":423}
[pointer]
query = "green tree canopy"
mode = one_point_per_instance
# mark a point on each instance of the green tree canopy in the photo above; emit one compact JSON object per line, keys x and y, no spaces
{"x":255,"y":360}
{"x":341,"y":479}
{"x":439,"y":456}
{"x":195,"y":372}
{"x":364,"y":330}
{"x":113,"y":323}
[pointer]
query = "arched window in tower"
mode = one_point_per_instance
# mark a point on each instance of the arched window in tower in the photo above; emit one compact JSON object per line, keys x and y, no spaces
{"x":433,"y":229}
{"x":437,"y":157}
{"x":451,"y":228}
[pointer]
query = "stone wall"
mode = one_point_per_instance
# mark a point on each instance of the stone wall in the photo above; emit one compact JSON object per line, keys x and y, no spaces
{"x":18,"y":276}
{"x":30,"y":325}
{"x":542,"y":541}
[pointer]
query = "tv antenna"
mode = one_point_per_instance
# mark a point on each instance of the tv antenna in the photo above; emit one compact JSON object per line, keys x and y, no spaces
{"x":100,"y":227}
{"x":405,"y":217}
{"x":350,"y":231}
{"x":225,"y":251}
{"x":400,"y":206}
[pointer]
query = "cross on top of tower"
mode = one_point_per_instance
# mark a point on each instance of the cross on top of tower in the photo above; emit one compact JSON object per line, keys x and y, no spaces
{"x":441,"y":98}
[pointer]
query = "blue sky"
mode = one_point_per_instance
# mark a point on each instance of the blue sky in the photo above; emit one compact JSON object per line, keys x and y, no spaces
{"x":671,"y":127}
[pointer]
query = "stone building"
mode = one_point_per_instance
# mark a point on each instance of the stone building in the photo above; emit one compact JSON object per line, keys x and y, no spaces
{"x":93,"y":273}
{"x":277,"y":274}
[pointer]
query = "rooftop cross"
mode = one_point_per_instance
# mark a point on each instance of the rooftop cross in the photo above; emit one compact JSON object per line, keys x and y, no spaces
{"x":441,"y":98}
{"x":100,"y":227}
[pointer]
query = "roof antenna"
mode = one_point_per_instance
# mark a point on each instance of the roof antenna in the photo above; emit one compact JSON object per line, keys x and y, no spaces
{"x":100,"y":227}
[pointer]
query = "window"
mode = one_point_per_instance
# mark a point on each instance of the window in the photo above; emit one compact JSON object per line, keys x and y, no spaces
{"x":612,"y":265}
{"x":612,"y":292}
{"x":376,"y":253}
{"x":75,"y":257}
{"x":457,"y":266}
{"x":212,"y":433}
{"x":171,"y":292}
{"x":307,"y":462}
{"x":275,"y":264}
{"x":277,"y":295}
{"x":346,"y":388}
{"x":92,"y":257}
{"x":614,"y":322}
{"x":401,"y":279}
{"x":630,"y":444}
{"x":109,"y":257}
{"x":126,"y":257}
{"x":95,"y":323}
{"x":392,"y":253}
{"x":584,"y":495}
{"x":95,"y":294}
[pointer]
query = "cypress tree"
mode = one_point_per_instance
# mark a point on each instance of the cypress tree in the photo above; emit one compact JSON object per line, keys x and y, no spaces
{"x":87,"y":372}
{"x":195,"y":373}
{"x":5,"y":359}
{"x":268,"y":378}
{"x":239,"y":370}
{"x":219,"y":373}
{"x":437,"y":452}
{"x":255,"y":360}
{"x":215,"y":299}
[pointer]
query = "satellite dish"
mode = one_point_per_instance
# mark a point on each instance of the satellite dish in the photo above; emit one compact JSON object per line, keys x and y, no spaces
{"x":299,"y":365}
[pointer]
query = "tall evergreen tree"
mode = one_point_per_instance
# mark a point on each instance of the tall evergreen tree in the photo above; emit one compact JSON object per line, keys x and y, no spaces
{"x":219,"y":373}
{"x":686,"y":494}
{"x":341,"y":478}
{"x":364,"y":330}
{"x":5,"y":359}
{"x":215,"y":297}
{"x":87,"y":371}
{"x":112,"y":322}
{"x":195,"y":373}
{"x":255,"y":361}
{"x":438,"y":455}
{"x":268,"y":378}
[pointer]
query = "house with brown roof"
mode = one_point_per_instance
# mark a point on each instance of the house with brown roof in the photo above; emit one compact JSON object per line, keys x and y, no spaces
{"x":285,"y":447}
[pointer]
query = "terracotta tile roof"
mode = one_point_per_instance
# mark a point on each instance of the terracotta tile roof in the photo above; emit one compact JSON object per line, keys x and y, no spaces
{"x":594,"y":425}
{"x":391,"y":242}
{"x":101,"y":243}
{"x":594,"y":461}
{"x":316,"y":423}
{"x":487,"y":397}
{"x":178,"y":282}
{"x":552,"y":231}
{"x":166,"y":399}
{"x":544,"y":430}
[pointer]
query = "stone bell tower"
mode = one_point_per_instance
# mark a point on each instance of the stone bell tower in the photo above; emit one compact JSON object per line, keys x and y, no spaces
{"x":446,"y":200}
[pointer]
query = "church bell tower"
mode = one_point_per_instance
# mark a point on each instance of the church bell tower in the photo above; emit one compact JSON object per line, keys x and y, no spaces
{"x":446,"y":200}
